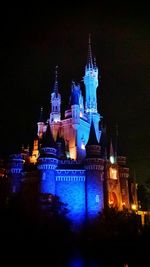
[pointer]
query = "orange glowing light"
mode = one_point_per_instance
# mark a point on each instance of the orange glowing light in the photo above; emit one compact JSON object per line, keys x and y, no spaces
{"x":113,"y":173}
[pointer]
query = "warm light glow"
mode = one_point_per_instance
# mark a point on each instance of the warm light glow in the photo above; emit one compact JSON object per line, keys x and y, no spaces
{"x":133,"y":207}
{"x":73,"y":153}
{"x":35,"y":153}
{"x":113,"y":173}
{"x":113,"y":201}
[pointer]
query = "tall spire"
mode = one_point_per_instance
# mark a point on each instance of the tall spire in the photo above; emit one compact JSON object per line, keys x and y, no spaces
{"x":116,"y":141}
{"x":55,"y":89}
{"x":90,"y":60}
{"x":111,"y":153}
{"x":95,"y":62}
{"x":48,"y":140}
{"x":41,"y":115}
{"x":55,"y":101}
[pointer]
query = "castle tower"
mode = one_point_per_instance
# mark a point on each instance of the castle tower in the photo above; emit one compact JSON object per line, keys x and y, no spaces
{"x":15,"y":168}
{"x":94,"y":166}
{"x":75,"y":109}
{"x":75,"y":127}
{"x":55,"y":115}
{"x":123,"y":172}
{"x":91,"y":84}
{"x":47,"y":163}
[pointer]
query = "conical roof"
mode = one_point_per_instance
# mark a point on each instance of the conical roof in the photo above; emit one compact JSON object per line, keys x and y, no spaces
{"x":92,"y":136}
{"x":48,"y":140}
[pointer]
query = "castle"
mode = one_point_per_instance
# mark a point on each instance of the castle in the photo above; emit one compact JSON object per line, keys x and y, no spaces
{"x":70,"y":158}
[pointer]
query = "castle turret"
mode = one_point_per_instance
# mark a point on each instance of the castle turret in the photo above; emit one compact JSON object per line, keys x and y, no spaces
{"x":91,"y":84}
{"x":47,"y":163}
{"x":55,"y":115}
{"x":75,"y":108}
{"x":15,"y":168}
{"x":94,"y":166}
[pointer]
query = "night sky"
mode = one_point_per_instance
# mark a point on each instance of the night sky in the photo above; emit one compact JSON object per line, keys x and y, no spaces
{"x":35,"y":39}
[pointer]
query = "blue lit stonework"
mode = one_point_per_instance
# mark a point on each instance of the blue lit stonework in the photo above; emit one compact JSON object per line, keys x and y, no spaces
{"x":69,"y":155}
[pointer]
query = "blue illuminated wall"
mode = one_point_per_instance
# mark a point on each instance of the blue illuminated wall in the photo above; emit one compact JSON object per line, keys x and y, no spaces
{"x":95,"y":198}
{"x":47,"y":183}
{"x":70,"y":187}
{"x":15,"y":172}
{"x":47,"y":163}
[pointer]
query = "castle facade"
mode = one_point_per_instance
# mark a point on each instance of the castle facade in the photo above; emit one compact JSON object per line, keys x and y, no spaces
{"x":70,"y":157}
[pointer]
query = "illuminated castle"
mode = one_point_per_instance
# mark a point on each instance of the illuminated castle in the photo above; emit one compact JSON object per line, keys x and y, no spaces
{"x":69,"y":157}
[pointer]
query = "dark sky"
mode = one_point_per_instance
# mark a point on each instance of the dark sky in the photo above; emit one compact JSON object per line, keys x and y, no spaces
{"x":35,"y":39}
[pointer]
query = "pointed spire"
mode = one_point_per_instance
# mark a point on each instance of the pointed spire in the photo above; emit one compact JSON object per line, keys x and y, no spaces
{"x":116,"y":142}
{"x":41,"y":115}
{"x":118,"y":147}
{"x":55,"y":90}
{"x":60,"y":143}
{"x":111,"y":149}
{"x":111,"y":153}
{"x":48,"y":140}
{"x":58,"y":137}
{"x":92,"y":136}
{"x":90,"y":60}
{"x":94,"y":62}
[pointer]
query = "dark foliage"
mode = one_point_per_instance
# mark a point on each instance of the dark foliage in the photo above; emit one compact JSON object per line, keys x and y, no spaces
{"x":35,"y":229}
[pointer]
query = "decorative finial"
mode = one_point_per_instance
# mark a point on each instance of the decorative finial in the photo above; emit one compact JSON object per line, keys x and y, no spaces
{"x":95,"y":62}
{"x":90,"y":61}
{"x":56,"y":81}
